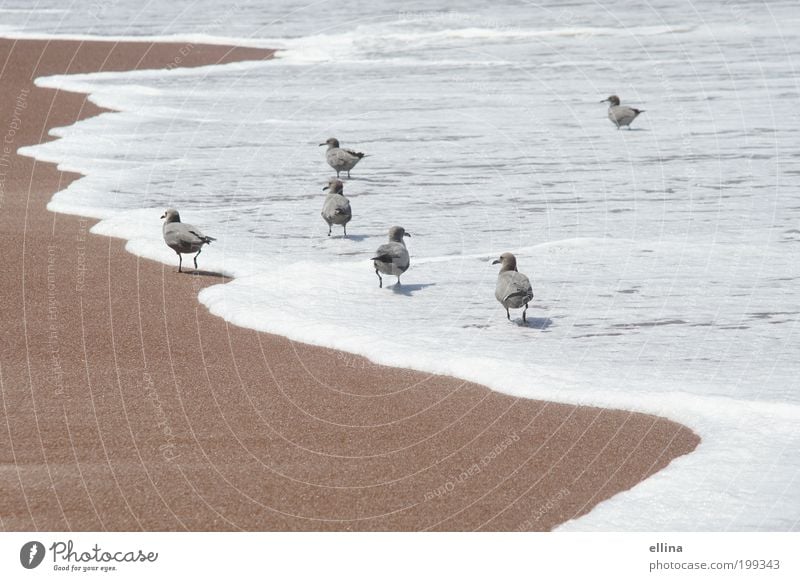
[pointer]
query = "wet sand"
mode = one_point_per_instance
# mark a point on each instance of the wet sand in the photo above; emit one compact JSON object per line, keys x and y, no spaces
{"x":127,"y":406}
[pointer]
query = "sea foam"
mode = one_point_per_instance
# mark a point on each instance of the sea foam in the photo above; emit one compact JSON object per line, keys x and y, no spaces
{"x":662,"y":258}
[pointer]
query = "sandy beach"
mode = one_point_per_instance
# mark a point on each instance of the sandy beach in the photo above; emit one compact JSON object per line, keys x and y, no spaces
{"x":127,"y":406}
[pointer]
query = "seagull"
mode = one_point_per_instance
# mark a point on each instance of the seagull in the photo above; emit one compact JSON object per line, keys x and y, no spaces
{"x":183,"y":238}
{"x":621,"y":115}
{"x":513,"y":289}
{"x":336,"y":209}
{"x":339,"y":158}
{"x":392,"y":257}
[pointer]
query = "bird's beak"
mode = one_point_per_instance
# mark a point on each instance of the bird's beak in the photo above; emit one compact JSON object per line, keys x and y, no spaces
{"x":164,"y":215}
{"x":325,"y":188}
{"x":604,"y":101}
{"x":321,"y":144}
{"x":496,"y":261}
{"x":407,"y":234}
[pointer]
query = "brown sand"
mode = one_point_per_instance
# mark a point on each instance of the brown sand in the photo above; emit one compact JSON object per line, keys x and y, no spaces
{"x":127,"y":406}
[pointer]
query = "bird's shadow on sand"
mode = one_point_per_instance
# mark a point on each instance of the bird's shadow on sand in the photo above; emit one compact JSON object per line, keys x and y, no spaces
{"x":206,"y":273}
{"x":409,"y":289}
{"x":540,"y":323}
{"x":346,"y":179}
{"x":354,"y":237}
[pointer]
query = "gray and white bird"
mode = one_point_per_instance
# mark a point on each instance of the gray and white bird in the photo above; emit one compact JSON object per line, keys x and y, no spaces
{"x":183,"y":238}
{"x":339,"y":158}
{"x":336,"y":209}
{"x":513,"y":289}
{"x":392,"y":257}
{"x":621,"y":115}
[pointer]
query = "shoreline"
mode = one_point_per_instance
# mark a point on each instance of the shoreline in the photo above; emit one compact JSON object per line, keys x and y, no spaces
{"x":149,"y":413}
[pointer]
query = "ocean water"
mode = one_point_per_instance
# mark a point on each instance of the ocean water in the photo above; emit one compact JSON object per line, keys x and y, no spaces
{"x":664,"y":259}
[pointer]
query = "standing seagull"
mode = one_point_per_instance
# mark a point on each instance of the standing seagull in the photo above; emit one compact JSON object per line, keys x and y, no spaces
{"x":183,"y":238}
{"x":513,"y":288}
{"x":336,"y":209}
{"x":392,"y":257}
{"x":621,"y":115}
{"x":339,"y":158}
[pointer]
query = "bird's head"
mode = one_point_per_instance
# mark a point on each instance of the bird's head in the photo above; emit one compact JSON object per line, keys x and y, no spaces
{"x":331,"y":142}
{"x":171,"y":215}
{"x":397,"y":233}
{"x":335,"y":186}
{"x":508,"y":260}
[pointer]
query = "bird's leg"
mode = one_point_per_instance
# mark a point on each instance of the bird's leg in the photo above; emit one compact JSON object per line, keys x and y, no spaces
{"x":345,"y":230}
{"x":195,"y":257}
{"x":525,"y":310}
{"x":337,"y":174}
{"x":380,"y":280}
{"x":508,"y":315}
{"x":180,"y":261}
{"x":398,"y":282}
{"x":348,"y":174}
{"x":329,"y":229}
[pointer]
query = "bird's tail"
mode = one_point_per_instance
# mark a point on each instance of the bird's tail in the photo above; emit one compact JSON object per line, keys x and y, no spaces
{"x":205,"y":239}
{"x":358,"y":154}
{"x":382,"y":258}
{"x":520,"y":293}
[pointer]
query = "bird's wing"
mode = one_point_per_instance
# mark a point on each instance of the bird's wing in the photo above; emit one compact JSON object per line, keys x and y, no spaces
{"x":517,"y":285}
{"x":624,"y":115}
{"x":343,"y":206}
{"x":389,"y":252}
{"x":384,"y":253}
{"x":203,"y":238}
{"x":336,"y":205}
{"x":357,"y":154}
{"x":328,"y":208}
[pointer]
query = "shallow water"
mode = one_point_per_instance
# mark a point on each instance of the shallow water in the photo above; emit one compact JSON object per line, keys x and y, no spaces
{"x":664,"y":259}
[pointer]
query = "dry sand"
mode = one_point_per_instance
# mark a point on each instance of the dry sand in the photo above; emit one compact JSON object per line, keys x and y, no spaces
{"x":127,"y":406}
